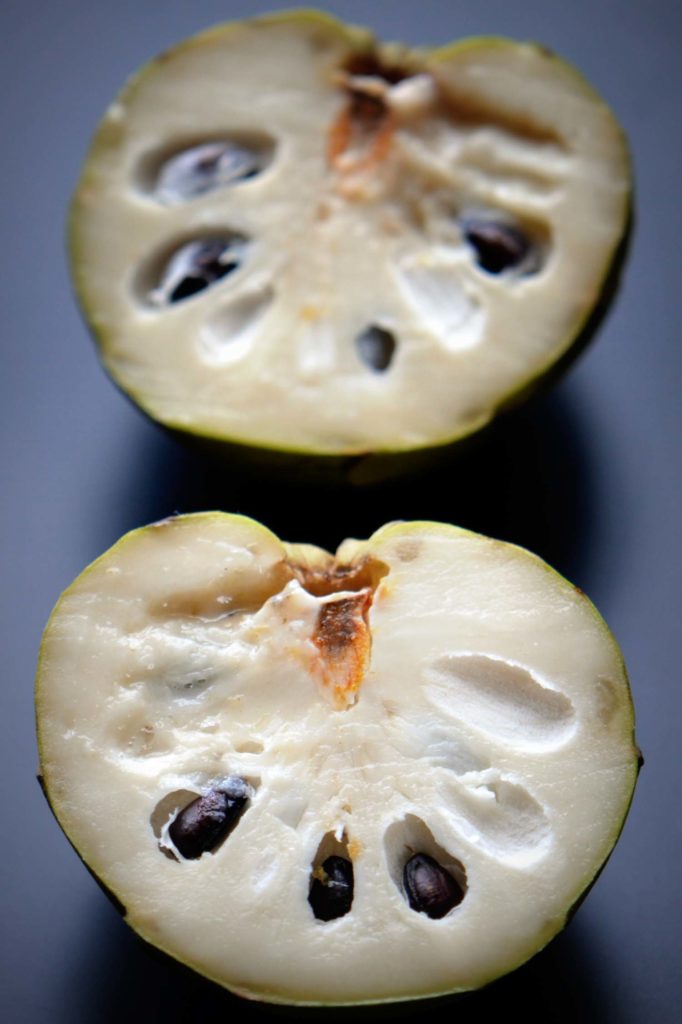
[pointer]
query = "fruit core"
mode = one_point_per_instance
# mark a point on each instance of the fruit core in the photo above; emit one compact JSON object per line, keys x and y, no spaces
{"x":342,"y":633}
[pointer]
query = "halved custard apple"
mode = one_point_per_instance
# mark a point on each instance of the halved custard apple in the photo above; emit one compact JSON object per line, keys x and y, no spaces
{"x":291,"y":236}
{"x":376,"y":776}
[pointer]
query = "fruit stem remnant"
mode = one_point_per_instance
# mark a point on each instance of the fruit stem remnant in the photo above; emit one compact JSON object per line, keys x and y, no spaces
{"x":334,"y":578}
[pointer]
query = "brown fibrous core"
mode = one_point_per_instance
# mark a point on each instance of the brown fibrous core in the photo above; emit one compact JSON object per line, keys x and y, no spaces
{"x":360,"y":136}
{"x":342,"y":635}
{"x":343,"y":640}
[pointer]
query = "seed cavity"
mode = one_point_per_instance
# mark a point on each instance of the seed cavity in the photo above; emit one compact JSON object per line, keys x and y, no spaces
{"x":424,"y":872}
{"x":501,"y":699}
{"x":164,"y":812}
{"x":499,"y":245}
{"x":376,"y":348}
{"x":179,"y":174}
{"x":435,"y":292}
{"x":331,"y":879}
{"x":429,"y":888}
{"x":519,"y":167}
{"x":498,"y":816}
{"x":204,"y":823}
{"x":231,"y":332}
{"x":193,"y":267}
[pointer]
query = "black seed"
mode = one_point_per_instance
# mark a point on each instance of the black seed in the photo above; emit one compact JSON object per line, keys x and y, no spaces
{"x":498,"y":246}
{"x":201,"y":169}
{"x":188,"y":286}
{"x":430,"y":889}
{"x":331,"y":895}
{"x":204,"y":822}
{"x":376,"y":348}
{"x":196,"y":266}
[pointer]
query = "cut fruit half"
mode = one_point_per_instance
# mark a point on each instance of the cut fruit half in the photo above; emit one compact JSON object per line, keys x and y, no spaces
{"x":291,"y":236}
{"x":376,"y":776}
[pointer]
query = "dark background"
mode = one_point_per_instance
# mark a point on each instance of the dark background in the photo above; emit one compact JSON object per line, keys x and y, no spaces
{"x":587,"y":476}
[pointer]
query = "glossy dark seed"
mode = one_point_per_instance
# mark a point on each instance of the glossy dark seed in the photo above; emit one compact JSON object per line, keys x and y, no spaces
{"x":376,"y":348}
{"x":196,"y":266}
{"x":498,"y":246}
{"x":331,"y":895}
{"x":198,"y":170}
{"x":430,"y":889}
{"x":204,"y":822}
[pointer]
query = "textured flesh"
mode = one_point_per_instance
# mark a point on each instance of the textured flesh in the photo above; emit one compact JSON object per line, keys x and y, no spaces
{"x":492,"y":728}
{"x":336,"y":245}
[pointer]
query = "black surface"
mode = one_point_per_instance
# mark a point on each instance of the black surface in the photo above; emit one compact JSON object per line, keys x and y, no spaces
{"x":588,"y":476}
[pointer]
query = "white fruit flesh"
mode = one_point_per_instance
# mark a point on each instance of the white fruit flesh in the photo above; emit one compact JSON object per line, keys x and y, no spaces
{"x":474,"y":708}
{"x":352,"y":224}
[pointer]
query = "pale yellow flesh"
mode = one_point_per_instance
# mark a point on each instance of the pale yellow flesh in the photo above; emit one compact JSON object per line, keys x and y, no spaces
{"x":493,"y":726}
{"x":268,"y":355}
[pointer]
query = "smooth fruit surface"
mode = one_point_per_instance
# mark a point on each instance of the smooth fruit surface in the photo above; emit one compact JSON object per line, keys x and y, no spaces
{"x":379,"y":775}
{"x":289,"y":235}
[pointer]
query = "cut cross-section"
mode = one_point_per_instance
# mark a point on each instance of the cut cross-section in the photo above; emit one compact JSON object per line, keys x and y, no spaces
{"x":388,"y":773}
{"x":432,"y":230}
